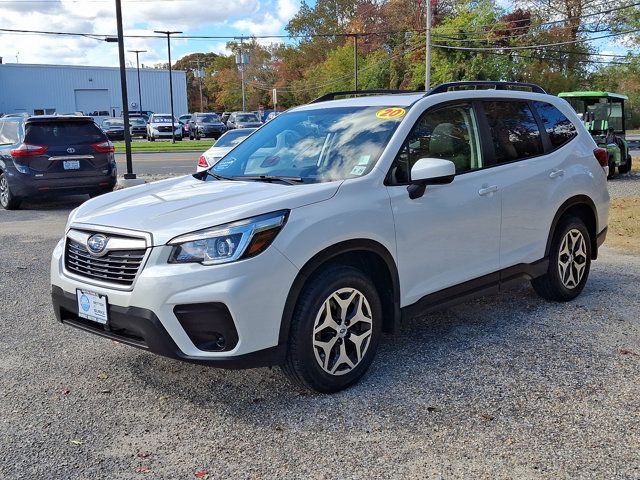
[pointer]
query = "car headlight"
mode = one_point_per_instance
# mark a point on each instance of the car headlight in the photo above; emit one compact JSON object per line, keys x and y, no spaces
{"x":230,"y":242}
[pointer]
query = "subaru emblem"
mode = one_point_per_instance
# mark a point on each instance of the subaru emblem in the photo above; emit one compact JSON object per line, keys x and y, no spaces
{"x":96,"y":243}
{"x":71,"y":150}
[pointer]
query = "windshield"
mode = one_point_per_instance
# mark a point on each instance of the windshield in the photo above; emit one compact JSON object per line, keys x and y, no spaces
{"x":162,"y":120}
{"x":207,"y":118}
{"x":137,"y":121}
{"x":247,"y":117}
{"x":315,"y":145}
{"x":232,"y":138}
{"x":113,"y":122}
{"x":598,"y":114}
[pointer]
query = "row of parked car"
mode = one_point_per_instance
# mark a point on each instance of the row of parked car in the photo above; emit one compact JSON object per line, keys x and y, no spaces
{"x":193,"y":125}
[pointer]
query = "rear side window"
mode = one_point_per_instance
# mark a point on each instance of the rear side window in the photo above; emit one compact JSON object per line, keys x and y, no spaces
{"x":514,"y":130}
{"x":8,"y":133}
{"x":63,"y":133}
{"x":558,"y":127}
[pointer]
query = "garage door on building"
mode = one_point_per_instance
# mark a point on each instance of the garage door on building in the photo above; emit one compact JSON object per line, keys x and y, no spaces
{"x":92,"y":101}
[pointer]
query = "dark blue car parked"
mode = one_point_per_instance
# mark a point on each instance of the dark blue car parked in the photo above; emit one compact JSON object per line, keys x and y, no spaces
{"x":45,"y":155}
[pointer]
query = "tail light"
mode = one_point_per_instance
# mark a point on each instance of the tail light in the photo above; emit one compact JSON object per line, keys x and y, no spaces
{"x":202,"y":162}
{"x":602,"y":155}
{"x":28,"y":150}
{"x":103,"y":147}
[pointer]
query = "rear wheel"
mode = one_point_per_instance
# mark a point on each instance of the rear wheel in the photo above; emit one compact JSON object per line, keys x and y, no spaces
{"x":626,"y":168}
{"x":569,"y":262}
{"x":7,"y":199}
{"x":335,"y":330}
{"x":152,"y":138}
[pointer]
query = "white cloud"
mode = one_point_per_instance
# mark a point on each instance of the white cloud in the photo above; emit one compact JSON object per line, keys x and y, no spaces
{"x":287,"y":9}
{"x":209,"y":16}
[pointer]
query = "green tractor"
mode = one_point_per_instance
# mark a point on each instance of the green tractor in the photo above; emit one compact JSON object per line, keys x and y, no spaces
{"x":603,"y":115}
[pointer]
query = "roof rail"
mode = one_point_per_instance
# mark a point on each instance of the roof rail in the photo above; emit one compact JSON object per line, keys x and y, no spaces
{"x":485,"y":85}
{"x":357,"y":93}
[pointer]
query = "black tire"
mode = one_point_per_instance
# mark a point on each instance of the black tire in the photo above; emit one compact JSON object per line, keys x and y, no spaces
{"x":198,"y":137}
{"x":550,"y":286}
{"x":152,"y":138}
{"x":612,"y":169}
{"x":626,"y":168}
{"x":7,"y":199}
{"x":302,"y":365}
{"x":178,"y":139}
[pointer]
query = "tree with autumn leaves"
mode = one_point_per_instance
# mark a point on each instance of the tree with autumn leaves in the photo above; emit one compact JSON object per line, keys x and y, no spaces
{"x":473,"y":40}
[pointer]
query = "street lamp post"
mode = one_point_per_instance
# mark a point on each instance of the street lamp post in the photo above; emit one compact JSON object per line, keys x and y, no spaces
{"x":138,"y":52}
{"x":123,"y":87}
{"x":173,"y":126}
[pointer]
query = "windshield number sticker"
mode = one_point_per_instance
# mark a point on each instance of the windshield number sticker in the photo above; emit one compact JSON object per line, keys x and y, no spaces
{"x":390,"y":113}
{"x":358,"y":170}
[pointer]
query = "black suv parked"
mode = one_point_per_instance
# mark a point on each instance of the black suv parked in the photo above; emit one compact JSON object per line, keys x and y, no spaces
{"x":205,"y":125}
{"x":53,"y":155}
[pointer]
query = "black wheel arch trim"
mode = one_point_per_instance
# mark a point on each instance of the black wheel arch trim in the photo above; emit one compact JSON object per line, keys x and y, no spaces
{"x":572,"y":202}
{"x":323,"y":257}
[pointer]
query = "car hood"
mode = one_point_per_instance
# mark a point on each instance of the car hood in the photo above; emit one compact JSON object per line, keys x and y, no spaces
{"x":248,"y":124}
{"x":176,"y":206}
{"x":210,"y":124}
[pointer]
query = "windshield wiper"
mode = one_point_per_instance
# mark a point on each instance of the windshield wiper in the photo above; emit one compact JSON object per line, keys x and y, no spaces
{"x":271,"y":178}
{"x":209,"y":173}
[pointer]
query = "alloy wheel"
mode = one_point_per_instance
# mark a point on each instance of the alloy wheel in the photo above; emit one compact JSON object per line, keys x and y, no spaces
{"x":572,"y":259}
{"x":4,"y":191}
{"x":342,"y":331}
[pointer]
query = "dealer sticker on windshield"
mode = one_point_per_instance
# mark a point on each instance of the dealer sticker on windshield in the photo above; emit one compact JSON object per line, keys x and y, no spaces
{"x":390,"y":113}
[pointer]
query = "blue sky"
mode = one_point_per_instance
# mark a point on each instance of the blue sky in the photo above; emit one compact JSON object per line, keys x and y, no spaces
{"x":194,"y":17}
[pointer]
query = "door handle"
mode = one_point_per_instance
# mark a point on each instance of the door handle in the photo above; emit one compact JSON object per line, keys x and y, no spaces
{"x":487,"y":190}
{"x":556,"y":173}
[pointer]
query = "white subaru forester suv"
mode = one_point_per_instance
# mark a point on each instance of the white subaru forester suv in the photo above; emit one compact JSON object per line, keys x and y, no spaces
{"x":333,"y":222}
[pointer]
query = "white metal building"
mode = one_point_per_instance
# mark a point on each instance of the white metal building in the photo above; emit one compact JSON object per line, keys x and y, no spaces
{"x":48,"y":89}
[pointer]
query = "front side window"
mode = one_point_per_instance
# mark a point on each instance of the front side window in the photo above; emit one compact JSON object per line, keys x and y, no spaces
{"x":449,"y":133}
{"x":514,"y":130}
{"x":318,"y":145}
{"x":558,"y":127}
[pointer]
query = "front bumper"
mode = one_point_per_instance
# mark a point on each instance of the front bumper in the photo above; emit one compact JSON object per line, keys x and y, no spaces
{"x":141,"y":328}
{"x":146,"y":315}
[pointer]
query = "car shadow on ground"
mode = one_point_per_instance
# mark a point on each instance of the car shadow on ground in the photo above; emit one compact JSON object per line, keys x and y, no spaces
{"x":67,"y":202}
{"x":449,"y":353}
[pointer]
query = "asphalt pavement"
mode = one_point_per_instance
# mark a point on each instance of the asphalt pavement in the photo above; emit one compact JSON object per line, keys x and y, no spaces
{"x":165,"y":163}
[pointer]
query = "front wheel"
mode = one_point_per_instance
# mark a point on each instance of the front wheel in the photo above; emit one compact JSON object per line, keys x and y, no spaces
{"x":612,"y":169}
{"x":335,"y":330}
{"x":569,"y":262}
{"x":7,"y":199}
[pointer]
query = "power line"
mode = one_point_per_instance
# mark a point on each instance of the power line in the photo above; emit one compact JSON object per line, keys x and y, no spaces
{"x":532,"y":47}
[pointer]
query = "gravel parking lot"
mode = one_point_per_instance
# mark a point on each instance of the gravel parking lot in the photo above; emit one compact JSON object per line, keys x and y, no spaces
{"x":507,"y":386}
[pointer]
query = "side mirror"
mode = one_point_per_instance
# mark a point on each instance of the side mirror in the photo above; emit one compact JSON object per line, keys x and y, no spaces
{"x":430,"y":171}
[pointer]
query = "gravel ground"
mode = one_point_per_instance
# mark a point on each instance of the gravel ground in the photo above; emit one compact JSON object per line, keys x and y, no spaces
{"x":507,"y":386}
{"x":624,"y":185}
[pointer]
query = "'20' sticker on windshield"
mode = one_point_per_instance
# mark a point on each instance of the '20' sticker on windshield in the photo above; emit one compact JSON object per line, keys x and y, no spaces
{"x":390,"y":113}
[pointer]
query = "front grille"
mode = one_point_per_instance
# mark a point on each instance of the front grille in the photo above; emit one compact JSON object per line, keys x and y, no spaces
{"x":164,"y":129}
{"x":118,"y":266}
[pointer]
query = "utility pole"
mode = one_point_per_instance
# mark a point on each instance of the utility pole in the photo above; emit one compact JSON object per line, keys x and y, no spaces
{"x":427,"y":77}
{"x":173,"y":118}
{"x":197,"y":62}
{"x":138,"y":52}
{"x":240,"y":61}
{"x":123,"y":88}
{"x":355,"y":61}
